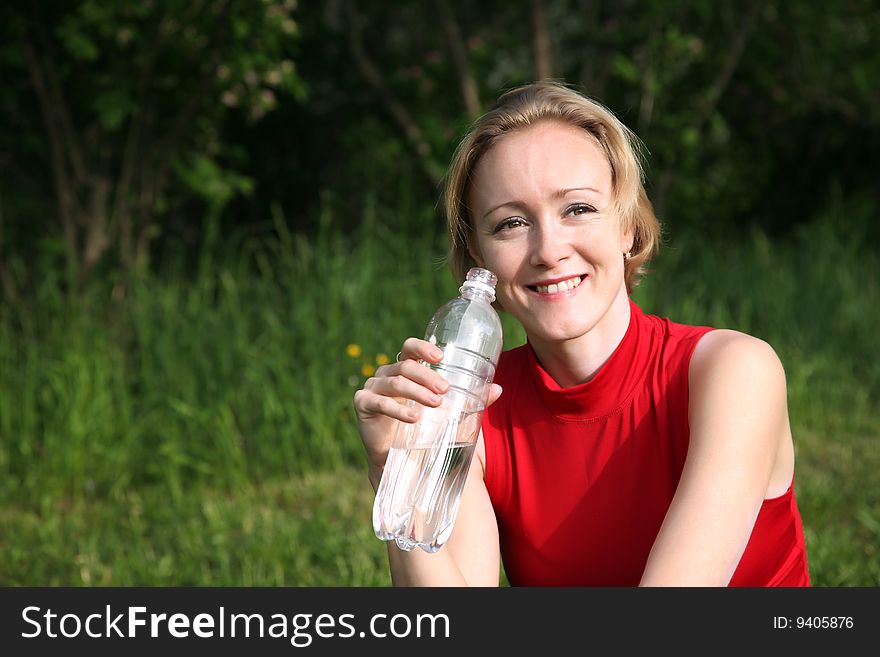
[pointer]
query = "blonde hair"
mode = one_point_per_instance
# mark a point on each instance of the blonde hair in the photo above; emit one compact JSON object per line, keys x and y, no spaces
{"x":543,"y":101}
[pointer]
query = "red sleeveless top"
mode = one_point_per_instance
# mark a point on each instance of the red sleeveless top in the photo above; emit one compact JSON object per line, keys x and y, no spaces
{"x":581,"y":478}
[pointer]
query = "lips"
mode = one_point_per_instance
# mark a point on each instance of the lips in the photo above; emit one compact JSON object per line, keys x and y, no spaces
{"x":555,"y":287}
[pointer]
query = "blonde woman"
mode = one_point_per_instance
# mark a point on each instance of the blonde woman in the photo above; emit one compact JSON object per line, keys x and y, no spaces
{"x":619,"y":448}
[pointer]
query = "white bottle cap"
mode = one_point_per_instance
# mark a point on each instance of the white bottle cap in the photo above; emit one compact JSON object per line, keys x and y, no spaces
{"x":482,"y":280}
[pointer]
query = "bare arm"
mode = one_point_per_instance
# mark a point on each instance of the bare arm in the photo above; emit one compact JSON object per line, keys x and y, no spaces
{"x":740,"y":451}
{"x":471,"y":555}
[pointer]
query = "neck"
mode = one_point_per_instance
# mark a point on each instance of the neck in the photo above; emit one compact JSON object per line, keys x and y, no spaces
{"x":577,"y":360}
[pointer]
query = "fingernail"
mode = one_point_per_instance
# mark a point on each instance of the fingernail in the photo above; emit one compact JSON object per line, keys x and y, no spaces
{"x":436,"y":352}
{"x":436,"y":399}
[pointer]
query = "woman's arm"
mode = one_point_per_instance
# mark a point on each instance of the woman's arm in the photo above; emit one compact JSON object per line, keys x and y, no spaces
{"x":471,"y":555}
{"x":740,"y":452}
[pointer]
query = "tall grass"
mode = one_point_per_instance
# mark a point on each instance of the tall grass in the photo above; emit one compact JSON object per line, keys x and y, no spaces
{"x":219,"y":403}
{"x":239,"y":374}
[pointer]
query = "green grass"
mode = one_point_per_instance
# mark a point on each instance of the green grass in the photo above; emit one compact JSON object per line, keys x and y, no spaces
{"x":312,"y":530}
{"x":197,"y":429}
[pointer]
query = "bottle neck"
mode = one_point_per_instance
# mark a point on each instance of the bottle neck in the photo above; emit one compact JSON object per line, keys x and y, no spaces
{"x":475,"y":293}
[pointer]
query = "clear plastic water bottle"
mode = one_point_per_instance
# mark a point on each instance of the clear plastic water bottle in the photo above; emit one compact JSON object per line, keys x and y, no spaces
{"x":418,"y":497}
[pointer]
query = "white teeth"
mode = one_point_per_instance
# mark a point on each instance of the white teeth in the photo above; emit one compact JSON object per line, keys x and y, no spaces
{"x":562,"y":286}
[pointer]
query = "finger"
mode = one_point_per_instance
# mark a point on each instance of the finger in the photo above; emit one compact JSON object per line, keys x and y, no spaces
{"x":410,"y":369}
{"x":495,"y":391}
{"x":421,"y":350}
{"x":425,"y":391}
{"x":368,"y":403}
{"x":425,"y":376}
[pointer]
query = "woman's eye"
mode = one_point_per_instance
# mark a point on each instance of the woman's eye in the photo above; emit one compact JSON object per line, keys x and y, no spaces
{"x":581,"y":208}
{"x":507,"y":224}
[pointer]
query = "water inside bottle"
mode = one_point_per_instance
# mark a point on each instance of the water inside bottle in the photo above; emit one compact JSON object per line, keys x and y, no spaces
{"x":427,"y":466}
{"x":417,"y":505}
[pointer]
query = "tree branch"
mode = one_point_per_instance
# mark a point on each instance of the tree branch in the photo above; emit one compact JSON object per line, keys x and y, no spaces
{"x":120,"y":214}
{"x":97,"y":238}
{"x":134,"y":240}
{"x":716,"y":91}
{"x":731,"y":61}
{"x":185,"y":116}
{"x":648,"y":83}
{"x":399,"y":113}
{"x":455,"y":43}
{"x":541,"y":42}
{"x":6,"y":279}
{"x":132,"y":157}
{"x":71,"y":148}
{"x":66,"y":200}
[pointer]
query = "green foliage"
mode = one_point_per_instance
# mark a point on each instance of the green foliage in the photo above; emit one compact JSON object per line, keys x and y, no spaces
{"x":228,"y":52}
{"x":131,"y":101}
{"x":752,"y":114}
{"x":192,"y":423}
{"x":206,"y":179}
{"x":726,"y":97}
{"x":249,"y":361}
{"x":202,"y":432}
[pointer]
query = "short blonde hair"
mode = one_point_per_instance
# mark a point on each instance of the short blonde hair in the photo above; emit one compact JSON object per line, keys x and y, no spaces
{"x":543,"y":101}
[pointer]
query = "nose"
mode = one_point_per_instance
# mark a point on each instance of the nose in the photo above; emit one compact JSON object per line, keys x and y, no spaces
{"x":549,"y":245}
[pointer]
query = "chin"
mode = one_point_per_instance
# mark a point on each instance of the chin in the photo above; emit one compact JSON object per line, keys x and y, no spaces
{"x":560,"y":332}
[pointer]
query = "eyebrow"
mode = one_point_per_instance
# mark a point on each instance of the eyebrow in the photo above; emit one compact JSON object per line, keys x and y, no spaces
{"x":559,"y":193}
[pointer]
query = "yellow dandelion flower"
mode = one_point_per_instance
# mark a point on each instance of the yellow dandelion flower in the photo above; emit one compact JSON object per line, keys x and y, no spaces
{"x":353,"y":350}
{"x":368,"y":369}
{"x":382,"y":359}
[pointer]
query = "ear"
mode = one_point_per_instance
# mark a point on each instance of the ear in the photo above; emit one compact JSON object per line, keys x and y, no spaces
{"x":627,"y":239}
{"x":474,"y":250}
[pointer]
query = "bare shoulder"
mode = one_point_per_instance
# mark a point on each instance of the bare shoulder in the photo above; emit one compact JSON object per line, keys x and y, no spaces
{"x":738,"y":407}
{"x":736,"y":357}
{"x":736,"y":390}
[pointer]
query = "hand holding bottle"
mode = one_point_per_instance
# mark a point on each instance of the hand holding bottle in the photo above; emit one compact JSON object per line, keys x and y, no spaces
{"x":383,"y":400}
{"x":427,"y":461}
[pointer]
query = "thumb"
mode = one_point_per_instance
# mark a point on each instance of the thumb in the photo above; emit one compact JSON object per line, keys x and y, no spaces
{"x":494,"y":393}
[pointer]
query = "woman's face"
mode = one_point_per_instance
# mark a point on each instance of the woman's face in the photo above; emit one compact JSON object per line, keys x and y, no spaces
{"x":544,"y":223}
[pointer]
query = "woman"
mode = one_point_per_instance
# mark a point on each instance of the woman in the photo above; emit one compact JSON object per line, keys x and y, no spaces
{"x":621,"y":449}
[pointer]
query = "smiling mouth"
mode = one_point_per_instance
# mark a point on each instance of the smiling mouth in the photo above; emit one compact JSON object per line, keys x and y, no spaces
{"x":561,"y":286}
